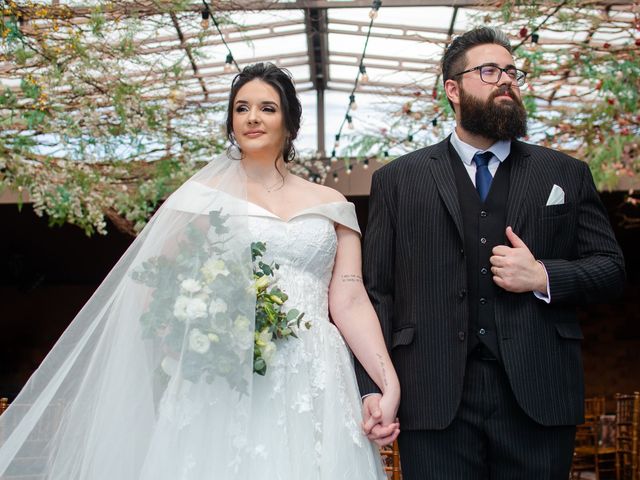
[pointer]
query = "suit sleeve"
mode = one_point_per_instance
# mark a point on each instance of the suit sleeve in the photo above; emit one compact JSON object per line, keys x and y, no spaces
{"x":379,"y":266}
{"x":597,"y":273}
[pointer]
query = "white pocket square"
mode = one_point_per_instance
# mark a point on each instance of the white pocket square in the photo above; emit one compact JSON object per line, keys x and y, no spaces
{"x":556,"y":197}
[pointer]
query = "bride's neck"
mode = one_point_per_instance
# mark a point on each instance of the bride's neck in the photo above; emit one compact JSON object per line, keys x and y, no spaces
{"x":263,"y":167}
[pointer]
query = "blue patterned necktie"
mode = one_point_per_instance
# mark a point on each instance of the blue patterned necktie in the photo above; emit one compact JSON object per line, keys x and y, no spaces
{"x":483,"y":175}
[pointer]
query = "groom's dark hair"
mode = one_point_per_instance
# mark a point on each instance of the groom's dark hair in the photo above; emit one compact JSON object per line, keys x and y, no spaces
{"x":454,"y":58}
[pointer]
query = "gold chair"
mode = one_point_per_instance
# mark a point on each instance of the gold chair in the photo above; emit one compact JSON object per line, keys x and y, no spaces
{"x":391,"y":459}
{"x":627,"y":413}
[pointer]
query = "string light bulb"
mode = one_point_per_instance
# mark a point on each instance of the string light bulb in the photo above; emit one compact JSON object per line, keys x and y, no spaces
{"x":336,"y":145}
{"x":348,"y":170}
{"x":334,"y":158}
{"x":365,"y":164}
{"x":373,"y":14}
{"x":364,"y":78}
{"x":205,"y":19}
{"x":352,"y":102}
{"x":228,"y":64}
{"x":350,"y":122}
{"x":335,"y":177}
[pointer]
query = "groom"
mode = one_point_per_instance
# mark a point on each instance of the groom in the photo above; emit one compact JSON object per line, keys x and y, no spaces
{"x":478,"y":250}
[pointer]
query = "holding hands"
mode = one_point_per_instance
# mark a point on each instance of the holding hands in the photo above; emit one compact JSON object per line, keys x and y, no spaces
{"x":379,"y":422}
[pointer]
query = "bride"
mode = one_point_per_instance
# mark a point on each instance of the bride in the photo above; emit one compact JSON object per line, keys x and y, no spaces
{"x":164,"y":375}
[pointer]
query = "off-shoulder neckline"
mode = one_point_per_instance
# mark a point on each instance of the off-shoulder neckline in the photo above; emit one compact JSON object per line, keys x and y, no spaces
{"x":304,"y":211}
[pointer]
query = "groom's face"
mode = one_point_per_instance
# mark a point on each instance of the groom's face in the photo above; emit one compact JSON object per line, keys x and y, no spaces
{"x":493,"y":111}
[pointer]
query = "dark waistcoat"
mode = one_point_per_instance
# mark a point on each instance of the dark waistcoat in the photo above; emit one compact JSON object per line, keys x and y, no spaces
{"x":484,"y":228}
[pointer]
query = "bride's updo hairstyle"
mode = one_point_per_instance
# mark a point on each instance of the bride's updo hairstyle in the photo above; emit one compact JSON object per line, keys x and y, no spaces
{"x":281,"y":80}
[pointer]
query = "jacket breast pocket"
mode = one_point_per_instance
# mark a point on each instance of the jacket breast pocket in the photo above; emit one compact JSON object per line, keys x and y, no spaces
{"x":552,"y":211}
{"x":569,"y":331}
{"x":402,"y":336}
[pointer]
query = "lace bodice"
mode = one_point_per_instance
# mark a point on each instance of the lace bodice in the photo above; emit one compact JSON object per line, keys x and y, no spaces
{"x":304,"y":247}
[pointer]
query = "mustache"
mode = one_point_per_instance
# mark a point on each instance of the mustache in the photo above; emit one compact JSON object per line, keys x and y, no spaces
{"x":502,"y":90}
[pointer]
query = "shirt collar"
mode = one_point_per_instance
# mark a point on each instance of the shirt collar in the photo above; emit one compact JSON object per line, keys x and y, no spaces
{"x":500,"y":149}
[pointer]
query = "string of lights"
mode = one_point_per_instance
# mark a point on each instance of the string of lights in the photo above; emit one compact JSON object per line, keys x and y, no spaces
{"x":207,"y":14}
{"x":360,"y":76}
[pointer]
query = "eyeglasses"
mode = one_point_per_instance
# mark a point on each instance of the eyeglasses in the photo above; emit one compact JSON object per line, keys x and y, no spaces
{"x":490,"y":73}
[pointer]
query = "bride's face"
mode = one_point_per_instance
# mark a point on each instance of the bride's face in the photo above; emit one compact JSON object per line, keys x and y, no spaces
{"x":258,"y":123}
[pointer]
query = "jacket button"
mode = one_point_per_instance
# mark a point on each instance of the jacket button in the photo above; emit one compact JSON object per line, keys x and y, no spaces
{"x":483,"y":301}
{"x":483,"y":214}
{"x":462,"y":293}
{"x":484,"y":271}
{"x":461,"y":336}
{"x":483,"y":240}
{"x":482,"y":331}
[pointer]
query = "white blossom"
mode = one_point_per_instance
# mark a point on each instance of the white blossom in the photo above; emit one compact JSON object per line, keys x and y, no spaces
{"x":212,"y":268}
{"x":190,"y":285}
{"x":187,"y":308}
{"x":198,"y":341}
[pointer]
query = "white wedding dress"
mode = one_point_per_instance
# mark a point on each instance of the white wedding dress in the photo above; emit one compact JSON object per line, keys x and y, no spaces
{"x":94,"y":411}
{"x":306,"y":411}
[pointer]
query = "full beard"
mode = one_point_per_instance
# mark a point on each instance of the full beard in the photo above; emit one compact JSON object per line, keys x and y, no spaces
{"x":501,"y":120}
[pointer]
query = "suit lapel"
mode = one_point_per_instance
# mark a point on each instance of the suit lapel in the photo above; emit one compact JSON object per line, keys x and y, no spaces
{"x":442,"y":172}
{"x":520,"y":171}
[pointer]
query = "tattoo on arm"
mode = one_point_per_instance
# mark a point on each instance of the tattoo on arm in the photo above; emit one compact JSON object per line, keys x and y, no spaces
{"x":351,"y":278}
{"x":384,"y":372}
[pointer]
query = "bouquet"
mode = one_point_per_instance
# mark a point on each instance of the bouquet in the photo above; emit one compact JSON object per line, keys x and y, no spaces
{"x":201,"y":334}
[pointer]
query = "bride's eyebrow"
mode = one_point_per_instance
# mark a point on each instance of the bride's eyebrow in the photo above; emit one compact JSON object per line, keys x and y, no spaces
{"x":265,"y":102}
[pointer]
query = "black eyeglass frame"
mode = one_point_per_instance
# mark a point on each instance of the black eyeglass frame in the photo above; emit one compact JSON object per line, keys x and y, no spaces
{"x":520,"y":79}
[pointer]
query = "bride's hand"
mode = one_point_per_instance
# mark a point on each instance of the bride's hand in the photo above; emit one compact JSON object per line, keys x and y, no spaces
{"x":380,"y":423}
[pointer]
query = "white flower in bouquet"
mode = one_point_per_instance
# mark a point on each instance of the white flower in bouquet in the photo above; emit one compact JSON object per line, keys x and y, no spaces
{"x":242,"y":331}
{"x":187,"y":308}
{"x":213,"y":338}
{"x":190,"y":285}
{"x":169,"y":366}
{"x":212,"y":268}
{"x":217,"y":306}
{"x":198,"y":341}
{"x":268,"y":350}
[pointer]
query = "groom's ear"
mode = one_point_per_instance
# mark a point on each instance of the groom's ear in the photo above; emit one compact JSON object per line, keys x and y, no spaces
{"x":452,"y":90}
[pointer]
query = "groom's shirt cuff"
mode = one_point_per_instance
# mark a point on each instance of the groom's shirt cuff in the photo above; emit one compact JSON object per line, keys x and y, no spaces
{"x":541,"y":296}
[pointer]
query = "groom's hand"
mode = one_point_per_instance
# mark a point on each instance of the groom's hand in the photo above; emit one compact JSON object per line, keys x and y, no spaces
{"x":372,"y":425}
{"x":515,"y":268}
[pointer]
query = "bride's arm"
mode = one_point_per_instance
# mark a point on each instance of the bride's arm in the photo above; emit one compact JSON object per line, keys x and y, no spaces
{"x":356,"y":319}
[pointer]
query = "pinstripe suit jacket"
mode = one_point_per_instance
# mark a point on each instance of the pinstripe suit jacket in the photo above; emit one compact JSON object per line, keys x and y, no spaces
{"x":414,"y":270}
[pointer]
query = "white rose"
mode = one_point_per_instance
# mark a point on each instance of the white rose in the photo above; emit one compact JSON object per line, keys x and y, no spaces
{"x":169,"y":366}
{"x":268,"y":350}
{"x":241,"y":332}
{"x":241,"y":323}
{"x":264,"y":337}
{"x":196,"y":308}
{"x":212,"y":268}
{"x":198,"y":341}
{"x":180,"y":307}
{"x":190,"y":285}
{"x":217,"y":306}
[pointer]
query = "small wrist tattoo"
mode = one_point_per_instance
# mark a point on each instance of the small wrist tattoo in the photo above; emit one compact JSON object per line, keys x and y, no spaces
{"x":351,"y":278}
